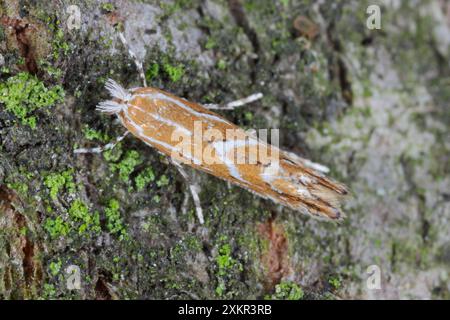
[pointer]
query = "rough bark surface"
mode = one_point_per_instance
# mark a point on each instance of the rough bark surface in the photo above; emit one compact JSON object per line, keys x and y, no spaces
{"x":370,"y":104}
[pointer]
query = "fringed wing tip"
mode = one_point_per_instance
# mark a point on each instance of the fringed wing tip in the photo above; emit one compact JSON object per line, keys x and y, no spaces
{"x":321,"y":197}
{"x":333,"y":202}
{"x":339,"y":216}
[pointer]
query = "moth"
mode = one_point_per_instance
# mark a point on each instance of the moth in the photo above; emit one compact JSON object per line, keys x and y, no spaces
{"x":160,"y":119}
{"x":155,"y":117}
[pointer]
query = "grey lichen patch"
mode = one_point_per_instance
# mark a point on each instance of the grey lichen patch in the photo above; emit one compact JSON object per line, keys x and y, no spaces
{"x":382,"y":152}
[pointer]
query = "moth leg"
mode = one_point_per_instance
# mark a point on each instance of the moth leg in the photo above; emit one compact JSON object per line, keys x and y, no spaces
{"x":135,"y":59}
{"x":192,"y":188}
{"x":234,"y":104}
{"x":108,"y":146}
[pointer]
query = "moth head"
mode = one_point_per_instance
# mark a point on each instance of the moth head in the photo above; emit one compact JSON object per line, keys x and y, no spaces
{"x":120,"y":96}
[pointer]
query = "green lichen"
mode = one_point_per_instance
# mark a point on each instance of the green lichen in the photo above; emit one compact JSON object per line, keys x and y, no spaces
{"x":286,"y":290}
{"x":59,"y":44}
{"x":144,"y":178}
{"x":174,"y":72}
{"x":335,"y":282}
{"x":56,"y":227}
{"x":211,"y":43}
{"x":79,"y":212}
{"x":5,"y":70}
{"x":152,"y":72}
{"x":23,"y":231}
{"x":55,"y":267}
{"x":48,"y":291}
{"x":52,"y":71}
{"x":114,"y":154}
{"x":221,"y":64}
{"x":162,"y":181}
{"x":114,"y":221}
{"x":224,"y":259}
{"x":167,"y":67}
{"x":127,"y":165}
{"x":23,"y":94}
{"x":56,"y":181}
{"x":92,"y":134}
{"x":226,"y":266}
{"x":80,"y":219}
{"x":20,"y":187}
{"x":108,"y":7}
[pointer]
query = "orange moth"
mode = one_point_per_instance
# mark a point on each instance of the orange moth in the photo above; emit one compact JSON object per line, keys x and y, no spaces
{"x":189,"y":133}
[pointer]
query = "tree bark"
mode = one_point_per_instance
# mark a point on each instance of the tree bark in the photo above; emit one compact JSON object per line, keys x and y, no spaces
{"x":369,"y":104}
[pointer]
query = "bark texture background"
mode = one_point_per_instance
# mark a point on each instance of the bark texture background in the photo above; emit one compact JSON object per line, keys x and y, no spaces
{"x":370,"y":104}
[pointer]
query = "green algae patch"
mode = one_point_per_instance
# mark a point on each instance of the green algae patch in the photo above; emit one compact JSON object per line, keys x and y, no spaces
{"x":335,"y":282}
{"x":152,"y":72}
{"x":172,"y":71}
{"x":92,"y":134}
{"x":226,"y":267}
{"x":162,"y":181}
{"x":55,"y":267}
{"x":56,"y":227}
{"x":127,"y":165}
{"x":286,"y":290}
{"x":57,"y":181}
{"x":144,"y":178}
{"x":108,"y":7}
{"x":79,"y":212}
{"x":114,"y":221}
{"x":80,"y":219}
{"x":24,"y":93}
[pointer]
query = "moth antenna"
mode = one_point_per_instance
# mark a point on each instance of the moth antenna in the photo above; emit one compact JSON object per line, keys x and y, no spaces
{"x":110,"y":106}
{"x":134,"y":57}
{"x":121,"y":97}
{"x":117,"y":91}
